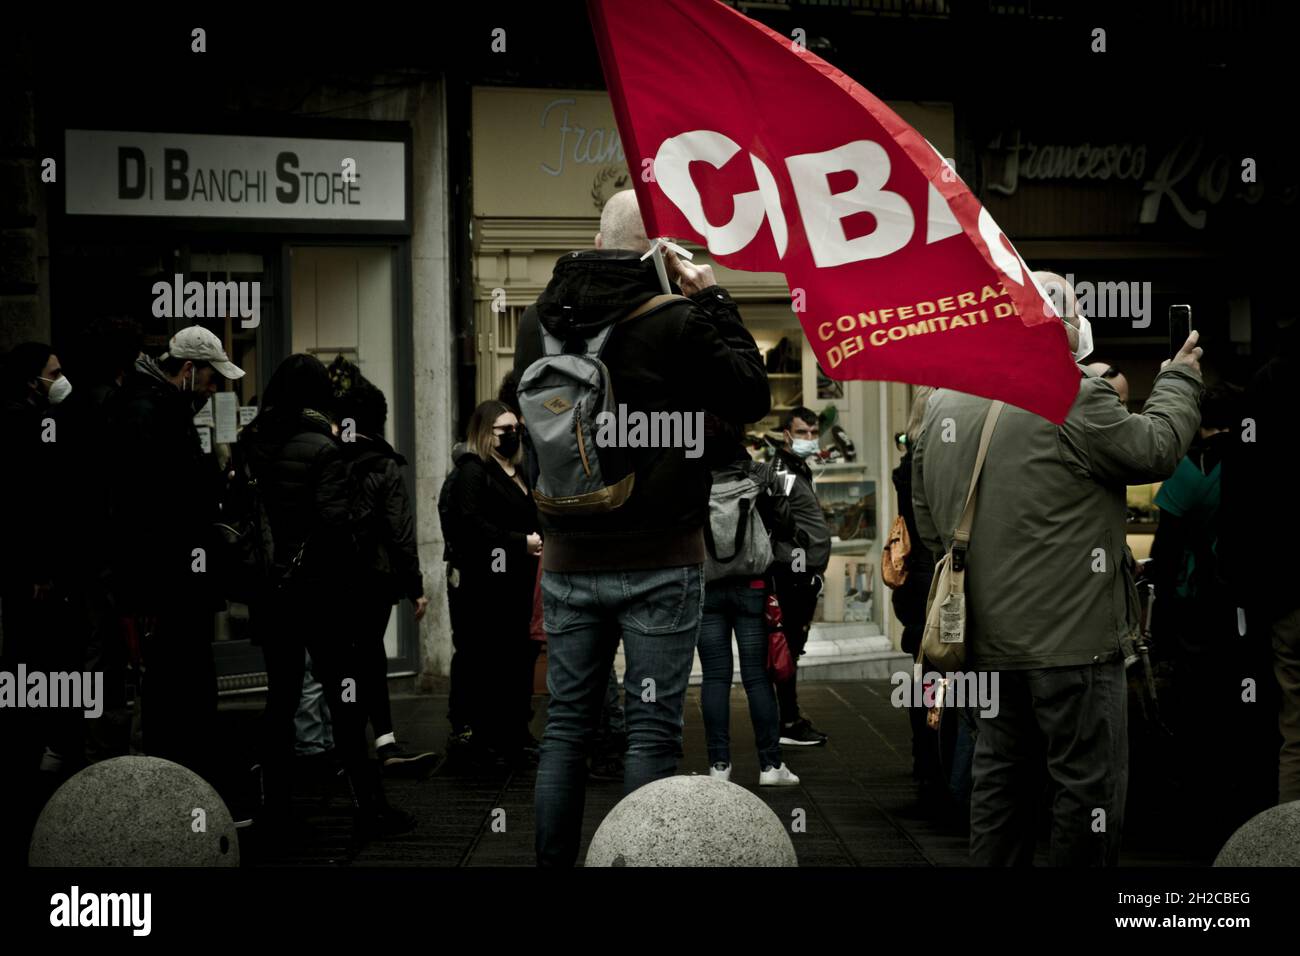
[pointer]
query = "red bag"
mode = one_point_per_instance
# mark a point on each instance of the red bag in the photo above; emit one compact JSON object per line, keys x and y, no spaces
{"x":780,"y":665}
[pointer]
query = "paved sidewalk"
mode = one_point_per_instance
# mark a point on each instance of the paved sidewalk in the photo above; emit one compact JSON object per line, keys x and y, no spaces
{"x":856,"y":791}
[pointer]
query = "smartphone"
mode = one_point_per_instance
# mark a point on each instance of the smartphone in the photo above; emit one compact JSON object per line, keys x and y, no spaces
{"x":1180,"y":327}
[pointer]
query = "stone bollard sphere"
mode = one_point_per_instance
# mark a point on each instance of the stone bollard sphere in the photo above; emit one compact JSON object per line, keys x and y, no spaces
{"x":1271,"y":838}
{"x":135,"y":811}
{"x":691,"y":821}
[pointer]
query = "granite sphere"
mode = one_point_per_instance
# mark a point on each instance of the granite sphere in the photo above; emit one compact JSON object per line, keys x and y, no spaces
{"x":691,"y":821}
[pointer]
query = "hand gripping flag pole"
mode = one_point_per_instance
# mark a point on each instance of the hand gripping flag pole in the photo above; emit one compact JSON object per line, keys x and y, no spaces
{"x":657,"y":248}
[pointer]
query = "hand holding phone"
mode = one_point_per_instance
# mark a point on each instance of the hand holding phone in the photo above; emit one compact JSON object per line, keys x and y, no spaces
{"x":1189,"y":354}
{"x":1180,"y":327}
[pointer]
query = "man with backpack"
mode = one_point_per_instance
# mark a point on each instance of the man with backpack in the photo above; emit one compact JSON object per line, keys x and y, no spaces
{"x":623,"y":523}
{"x":799,"y":563}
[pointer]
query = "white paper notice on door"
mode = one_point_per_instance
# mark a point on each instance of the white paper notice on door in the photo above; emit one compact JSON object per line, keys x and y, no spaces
{"x":225,"y":411}
{"x":246,"y":414}
{"x":205,"y":439}
{"x":204,"y":417}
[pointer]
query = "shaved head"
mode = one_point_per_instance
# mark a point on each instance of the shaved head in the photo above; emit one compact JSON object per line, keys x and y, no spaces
{"x":620,"y":224}
{"x":1062,"y":295}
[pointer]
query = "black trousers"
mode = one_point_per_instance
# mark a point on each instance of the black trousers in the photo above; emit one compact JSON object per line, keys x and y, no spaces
{"x":1073,"y":723}
{"x":178,"y":695}
{"x":372,"y":622}
{"x":492,"y":664}
{"x":310,"y":619}
{"x":798,"y":597}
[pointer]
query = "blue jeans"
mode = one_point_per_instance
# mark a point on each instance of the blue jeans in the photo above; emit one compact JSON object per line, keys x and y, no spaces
{"x":312,"y":725}
{"x":734,"y":604}
{"x":657,"y":615}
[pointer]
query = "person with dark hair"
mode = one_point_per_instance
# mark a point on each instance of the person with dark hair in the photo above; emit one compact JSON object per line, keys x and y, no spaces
{"x":799,"y":564}
{"x":497,"y":542}
{"x":389,"y":558}
{"x":163,"y":495}
{"x":1257,"y":545}
{"x":32,"y":605}
{"x":1195,"y":625}
{"x":302,"y":474}
{"x":508,"y":392}
{"x":737,"y":603}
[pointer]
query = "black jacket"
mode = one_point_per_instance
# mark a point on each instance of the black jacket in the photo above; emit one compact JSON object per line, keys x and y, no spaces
{"x":909,"y":600}
{"x":492,"y":512}
{"x":1257,"y":541}
{"x":163,"y":497}
{"x":811,"y":531}
{"x":303,"y":477}
{"x":688,"y":356}
{"x":30,"y":550}
{"x":385,"y":521}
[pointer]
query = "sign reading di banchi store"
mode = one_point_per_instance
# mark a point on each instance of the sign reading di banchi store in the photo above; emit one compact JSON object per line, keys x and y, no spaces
{"x":112,"y":173}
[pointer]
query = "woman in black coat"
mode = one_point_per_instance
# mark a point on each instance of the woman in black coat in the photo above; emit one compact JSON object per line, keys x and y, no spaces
{"x":292,"y":452}
{"x":389,"y":557}
{"x":497,"y":544}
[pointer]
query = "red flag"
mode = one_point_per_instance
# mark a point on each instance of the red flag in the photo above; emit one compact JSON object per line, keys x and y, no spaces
{"x":742,"y":140}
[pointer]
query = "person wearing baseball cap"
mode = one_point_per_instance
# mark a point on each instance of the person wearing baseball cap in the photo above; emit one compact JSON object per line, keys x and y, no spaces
{"x":163,"y":495}
{"x":193,"y":357}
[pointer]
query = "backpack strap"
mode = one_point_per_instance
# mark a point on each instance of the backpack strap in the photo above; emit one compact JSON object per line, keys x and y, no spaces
{"x":552,"y":345}
{"x":961,"y":536}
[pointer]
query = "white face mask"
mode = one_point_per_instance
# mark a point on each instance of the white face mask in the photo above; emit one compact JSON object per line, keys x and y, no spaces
{"x":805,"y":447}
{"x":1084,"y":348}
{"x":60,"y":388}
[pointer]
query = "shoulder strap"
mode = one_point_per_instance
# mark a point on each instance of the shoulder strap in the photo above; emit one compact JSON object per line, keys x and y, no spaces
{"x":961,"y":536}
{"x":551,"y":345}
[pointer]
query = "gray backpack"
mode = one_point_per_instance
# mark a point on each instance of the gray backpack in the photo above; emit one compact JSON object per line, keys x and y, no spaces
{"x":736,"y":539}
{"x":561,"y":395}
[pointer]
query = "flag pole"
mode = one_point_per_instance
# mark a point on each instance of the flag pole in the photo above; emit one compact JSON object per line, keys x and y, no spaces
{"x":656,"y":252}
{"x":660,"y":268}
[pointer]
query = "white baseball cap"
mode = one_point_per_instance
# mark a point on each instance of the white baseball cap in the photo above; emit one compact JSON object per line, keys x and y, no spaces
{"x":199,"y":345}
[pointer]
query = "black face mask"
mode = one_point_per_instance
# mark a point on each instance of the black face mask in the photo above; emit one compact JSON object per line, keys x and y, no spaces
{"x":508,"y":445}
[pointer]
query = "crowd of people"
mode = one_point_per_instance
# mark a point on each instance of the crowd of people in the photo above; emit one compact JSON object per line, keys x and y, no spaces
{"x":114,"y":509}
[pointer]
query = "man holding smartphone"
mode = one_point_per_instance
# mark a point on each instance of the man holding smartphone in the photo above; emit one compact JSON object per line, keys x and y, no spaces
{"x":1048,"y":592}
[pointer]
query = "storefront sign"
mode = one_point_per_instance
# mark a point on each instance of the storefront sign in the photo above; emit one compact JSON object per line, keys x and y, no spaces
{"x":112,"y":173}
{"x":1180,"y":182}
{"x":540,"y":153}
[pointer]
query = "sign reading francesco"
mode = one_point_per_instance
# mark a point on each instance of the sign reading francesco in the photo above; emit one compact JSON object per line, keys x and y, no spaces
{"x":776,"y":161}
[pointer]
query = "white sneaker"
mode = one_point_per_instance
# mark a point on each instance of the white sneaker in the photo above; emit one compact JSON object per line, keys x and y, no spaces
{"x":720,"y":771}
{"x":778,"y":776}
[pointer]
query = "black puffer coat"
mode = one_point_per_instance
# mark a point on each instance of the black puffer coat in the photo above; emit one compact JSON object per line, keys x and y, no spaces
{"x":386,"y":523}
{"x":303,"y":476}
{"x":163,"y":493}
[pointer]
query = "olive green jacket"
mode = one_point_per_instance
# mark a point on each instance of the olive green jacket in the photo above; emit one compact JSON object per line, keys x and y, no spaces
{"x":1047,"y":580}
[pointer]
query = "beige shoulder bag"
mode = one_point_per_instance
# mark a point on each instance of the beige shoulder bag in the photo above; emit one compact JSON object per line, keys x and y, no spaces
{"x":944,"y":641}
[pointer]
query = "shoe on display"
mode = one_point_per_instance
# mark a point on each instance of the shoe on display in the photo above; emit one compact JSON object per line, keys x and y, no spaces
{"x":778,"y":776}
